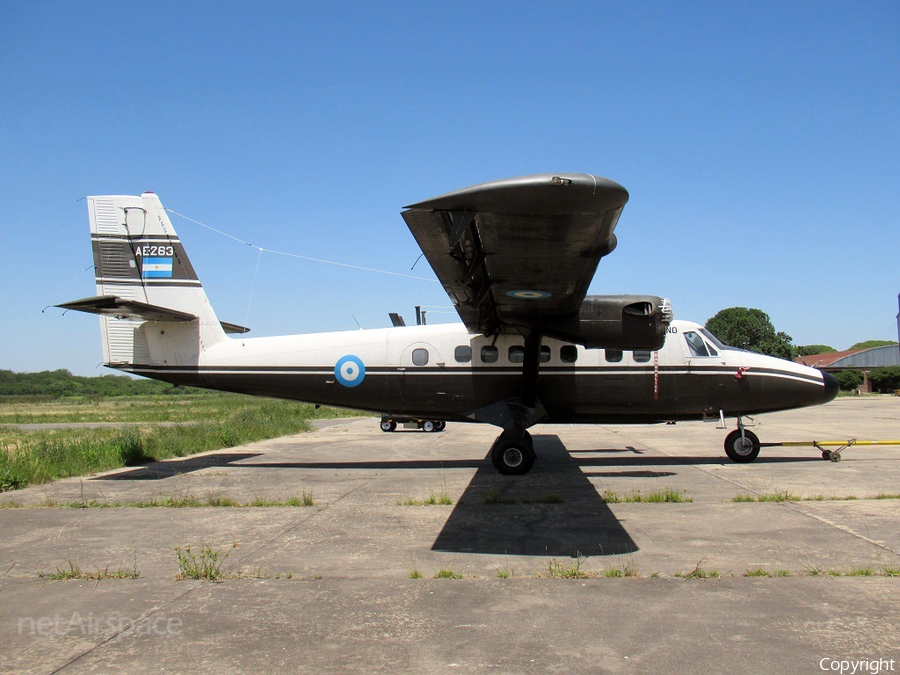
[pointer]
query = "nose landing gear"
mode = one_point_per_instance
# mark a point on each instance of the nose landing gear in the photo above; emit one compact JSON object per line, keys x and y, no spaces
{"x":742,"y":446}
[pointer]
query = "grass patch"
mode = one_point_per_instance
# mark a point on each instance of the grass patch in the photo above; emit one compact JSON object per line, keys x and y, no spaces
{"x":447,"y":574}
{"x":860,"y":572}
{"x":415,"y":574}
{"x":814,"y":571}
{"x":666,"y":496}
{"x":74,"y":571}
{"x":887,"y":495}
{"x":440,"y":499}
{"x":786,"y":496}
{"x":891,"y":571}
{"x":216,"y":421}
{"x":558,"y":570}
{"x":504,"y":573}
{"x":779,"y":496}
{"x":833,"y":498}
{"x":623,"y":572}
{"x":495,"y":496}
{"x":305,"y":499}
{"x":207,"y":565}
{"x":757,"y":572}
{"x":699,"y":572}
{"x":185,"y":501}
{"x":260,"y":573}
{"x":189,"y":407}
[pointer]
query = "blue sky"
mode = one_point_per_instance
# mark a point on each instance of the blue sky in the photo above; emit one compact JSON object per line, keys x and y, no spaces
{"x":759,"y":143}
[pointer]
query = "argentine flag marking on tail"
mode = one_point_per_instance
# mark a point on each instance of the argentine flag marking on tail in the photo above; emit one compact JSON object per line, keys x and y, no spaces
{"x":155,"y":268}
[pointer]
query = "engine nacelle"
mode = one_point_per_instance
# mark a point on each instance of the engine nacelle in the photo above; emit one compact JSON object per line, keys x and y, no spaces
{"x":617,"y":322}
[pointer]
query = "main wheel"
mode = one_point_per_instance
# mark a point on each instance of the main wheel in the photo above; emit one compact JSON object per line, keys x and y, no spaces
{"x":742,"y":449}
{"x":427,"y":425}
{"x":512,"y":456}
{"x":388,"y":425}
{"x":440,"y":425}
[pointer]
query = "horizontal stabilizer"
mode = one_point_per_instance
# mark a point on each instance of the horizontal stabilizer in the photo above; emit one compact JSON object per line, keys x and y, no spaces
{"x":112,"y":305}
{"x":233,"y":328}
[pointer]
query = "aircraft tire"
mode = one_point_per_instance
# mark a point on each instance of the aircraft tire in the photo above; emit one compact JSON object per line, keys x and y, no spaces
{"x":512,"y":456}
{"x":440,"y":425}
{"x":744,"y":449}
{"x":428,"y":425}
{"x":388,"y":425}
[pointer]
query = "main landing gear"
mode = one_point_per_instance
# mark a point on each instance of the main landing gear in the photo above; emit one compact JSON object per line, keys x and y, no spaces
{"x":513,"y":454}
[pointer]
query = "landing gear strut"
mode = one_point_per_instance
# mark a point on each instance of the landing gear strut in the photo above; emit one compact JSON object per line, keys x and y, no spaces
{"x":512,"y":454}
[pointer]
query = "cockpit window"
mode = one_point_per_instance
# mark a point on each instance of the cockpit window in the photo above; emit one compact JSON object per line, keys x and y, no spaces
{"x":713,"y":339}
{"x":696,"y":344}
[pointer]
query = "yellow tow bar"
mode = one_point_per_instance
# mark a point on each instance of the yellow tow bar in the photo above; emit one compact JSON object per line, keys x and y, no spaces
{"x":833,"y":455}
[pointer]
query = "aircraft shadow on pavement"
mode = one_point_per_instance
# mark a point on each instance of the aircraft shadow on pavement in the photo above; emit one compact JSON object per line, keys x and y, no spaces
{"x":554,"y":510}
{"x":628,"y":458}
{"x":174,"y":467}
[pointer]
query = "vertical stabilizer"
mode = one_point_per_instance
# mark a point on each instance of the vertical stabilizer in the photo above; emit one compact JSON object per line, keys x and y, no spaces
{"x":138,"y":258}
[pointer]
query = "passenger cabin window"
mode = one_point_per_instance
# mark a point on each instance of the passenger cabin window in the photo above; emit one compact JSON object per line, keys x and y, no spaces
{"x":568,"y":353}
{"x":545,"y":354}
{"x":641,"y":355}
{"x":696,"y":344}
{"x":420,"y":357}
{"x":613,"y":355}
{"x":489,"y":354}
{"x":462,"y":354}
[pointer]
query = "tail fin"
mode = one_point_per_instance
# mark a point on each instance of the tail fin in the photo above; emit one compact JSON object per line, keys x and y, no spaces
{"x":152,"y":307}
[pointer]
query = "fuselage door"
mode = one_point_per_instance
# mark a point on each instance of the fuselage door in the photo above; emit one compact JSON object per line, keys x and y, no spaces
{"x":704,"y":362}
{"x":421,"y":366}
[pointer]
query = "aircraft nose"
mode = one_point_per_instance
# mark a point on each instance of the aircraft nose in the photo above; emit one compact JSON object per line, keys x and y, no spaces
{"x":831,"y":386}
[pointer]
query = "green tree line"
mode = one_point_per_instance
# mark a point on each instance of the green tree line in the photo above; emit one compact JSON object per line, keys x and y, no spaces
{"x":59,"y":383}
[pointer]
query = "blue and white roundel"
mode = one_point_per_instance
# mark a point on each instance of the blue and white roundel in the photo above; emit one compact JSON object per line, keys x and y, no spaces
{"x":350,"y":370}
{"x":529,"y":295}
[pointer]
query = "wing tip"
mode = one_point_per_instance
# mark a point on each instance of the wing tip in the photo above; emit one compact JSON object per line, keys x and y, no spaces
{"x":537,"y":193}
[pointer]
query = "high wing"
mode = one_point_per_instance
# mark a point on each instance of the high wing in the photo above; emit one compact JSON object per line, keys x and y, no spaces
{"x":520,"y":252}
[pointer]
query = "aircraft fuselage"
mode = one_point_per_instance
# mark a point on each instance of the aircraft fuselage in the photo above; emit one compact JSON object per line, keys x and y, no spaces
{"x":443,"y":372}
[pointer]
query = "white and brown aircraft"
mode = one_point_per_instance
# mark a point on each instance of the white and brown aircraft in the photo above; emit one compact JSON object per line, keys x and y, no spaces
{"x":516,"y":257}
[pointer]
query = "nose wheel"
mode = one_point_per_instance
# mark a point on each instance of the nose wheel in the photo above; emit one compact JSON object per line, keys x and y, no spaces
{"x":742,"y":446}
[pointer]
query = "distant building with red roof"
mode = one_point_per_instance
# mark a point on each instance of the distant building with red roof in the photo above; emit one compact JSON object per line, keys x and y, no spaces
{"x":854,"y":359}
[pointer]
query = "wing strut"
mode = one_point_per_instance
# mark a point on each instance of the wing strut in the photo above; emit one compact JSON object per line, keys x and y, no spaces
{"x":530,"y":369}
